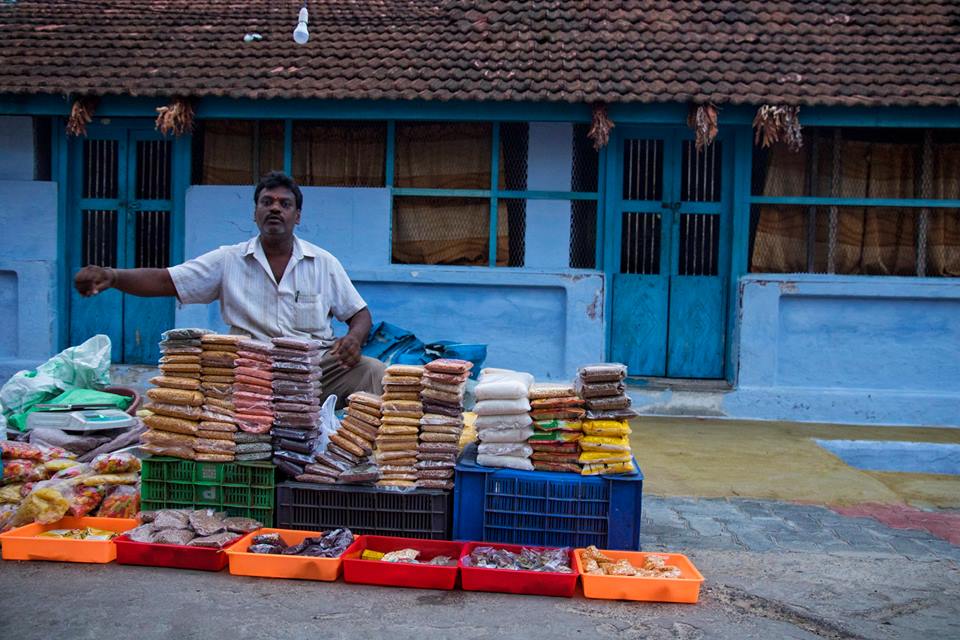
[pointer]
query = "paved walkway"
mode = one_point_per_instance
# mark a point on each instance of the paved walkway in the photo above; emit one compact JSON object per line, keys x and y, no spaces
{"x":773,"y":570}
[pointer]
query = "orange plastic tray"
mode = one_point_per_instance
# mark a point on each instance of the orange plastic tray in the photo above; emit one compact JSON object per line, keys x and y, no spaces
{"x":686,"y":588}
{"x":22,"y":543}
{"x":263,"y":565}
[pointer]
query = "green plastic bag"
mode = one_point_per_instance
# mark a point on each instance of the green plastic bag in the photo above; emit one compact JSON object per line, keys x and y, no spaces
{"x":85,"y":366}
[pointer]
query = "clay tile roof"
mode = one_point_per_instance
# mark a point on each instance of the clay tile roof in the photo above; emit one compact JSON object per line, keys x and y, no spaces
{"x":827,"y":52}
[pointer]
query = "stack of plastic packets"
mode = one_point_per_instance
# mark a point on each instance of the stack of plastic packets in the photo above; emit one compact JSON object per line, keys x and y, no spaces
{"x":296,"y":403}
{"x":216,"y":438}
{"x":398,"y":436}
{"x":358,"y":430}
{"x":557,"y":413}
{"x":503,"y":419}
{"x":177,"y":399}
{"x":605,"y":445}
{"x":253,"y":400}
{"x":441,"y":393}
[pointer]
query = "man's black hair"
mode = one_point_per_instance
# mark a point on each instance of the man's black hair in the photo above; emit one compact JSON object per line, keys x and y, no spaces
{"x":276,"y":179}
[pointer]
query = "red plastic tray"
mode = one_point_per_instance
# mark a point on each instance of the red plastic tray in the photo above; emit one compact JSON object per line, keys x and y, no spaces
{"x":174,"y":556}
{"x":400,"y":574}
{"x":539,"y":583}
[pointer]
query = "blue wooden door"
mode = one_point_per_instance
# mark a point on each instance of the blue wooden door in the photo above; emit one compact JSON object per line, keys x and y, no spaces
{"x":667,"y":253}
{"x":121,"y":216}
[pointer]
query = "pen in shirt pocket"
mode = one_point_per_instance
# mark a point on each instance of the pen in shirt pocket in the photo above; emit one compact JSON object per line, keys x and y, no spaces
{"x":296,"y":297}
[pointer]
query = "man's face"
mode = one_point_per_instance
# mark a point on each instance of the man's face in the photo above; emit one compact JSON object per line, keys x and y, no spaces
{"x":276,"y":213}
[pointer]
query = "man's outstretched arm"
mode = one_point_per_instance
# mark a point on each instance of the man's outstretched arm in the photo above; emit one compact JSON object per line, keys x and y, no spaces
{"x":91,"y":280}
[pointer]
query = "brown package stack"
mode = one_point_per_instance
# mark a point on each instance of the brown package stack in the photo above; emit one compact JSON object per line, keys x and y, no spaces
{"x":399,"y":431}
{"x":296,"y":402}
{"x":216,"y":440}
{"x":557,"y":412}
{"x":177,"y":399}
{"x":252,"y":400}
{"x":356,"y":436}
{"x":442,"y":392}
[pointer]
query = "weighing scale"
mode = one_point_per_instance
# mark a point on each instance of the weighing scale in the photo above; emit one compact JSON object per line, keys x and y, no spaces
{"x":79,"y":418}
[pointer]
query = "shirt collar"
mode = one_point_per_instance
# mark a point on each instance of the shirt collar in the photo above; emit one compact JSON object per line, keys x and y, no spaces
{"x":301,"y":249}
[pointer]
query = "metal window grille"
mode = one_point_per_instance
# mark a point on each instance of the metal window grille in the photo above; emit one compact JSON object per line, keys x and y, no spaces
{"x":699,"y":250}
{"x":516,"y":209}
{"x":643,"y":169}
{"x":153,"y":169}
{"x":514,"y":149}
{"x":585,"y":169}
{"x":99,"y":245}
{"x":701,"y":172}
{"x":583,"y":234}
{"x":100,"y":168}
{"x":152,"y":239}
{"x":868,"y":240}
{"x":640,"y":244}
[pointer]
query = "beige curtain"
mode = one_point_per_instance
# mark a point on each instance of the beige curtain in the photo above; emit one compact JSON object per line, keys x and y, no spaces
{"x":340,"y":154}
{"x":240,"y":151}
{"x":869,"y":240}
{"x":445,"y":230}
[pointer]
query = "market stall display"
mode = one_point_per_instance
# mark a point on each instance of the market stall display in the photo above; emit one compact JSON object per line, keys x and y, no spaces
{"x":443,"y":385}
{"x":176,"y":400}
{"x":517,"y":569}
{"x":605,"y":446}
{"x":630,"y":575}
{"x":557,"y":413}
{"x":398,"y":436}
{"x":285,"y":553}
{"x":44,"y":484}
{"x":403,"y":562}
{"x":503,"y":419}
{"x":356,"y":432}
{"x":38,"y":541}
{"x":183,"y":539}
{"x":296,"y":404}
{"x":253,"y":402}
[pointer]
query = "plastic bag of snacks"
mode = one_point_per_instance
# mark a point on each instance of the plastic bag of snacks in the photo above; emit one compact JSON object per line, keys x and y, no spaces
{"x":20,"y":450}
{"x":82,"y":500}
{"x":115,"y":463}
{"x":123,"y":501}
{"x":43,"y":505}
{"x":21,"y":471}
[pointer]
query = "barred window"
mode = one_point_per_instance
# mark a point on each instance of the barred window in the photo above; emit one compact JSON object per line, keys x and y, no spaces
{"x":828,"y":209}
{"x":236,"y":151}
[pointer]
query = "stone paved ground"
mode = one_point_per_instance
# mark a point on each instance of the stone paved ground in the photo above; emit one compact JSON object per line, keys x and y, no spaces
{"x":773,"y":570}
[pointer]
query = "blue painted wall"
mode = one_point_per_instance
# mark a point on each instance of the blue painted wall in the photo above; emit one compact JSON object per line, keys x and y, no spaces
{"x":28,"y":272}
{"x":545,"y":322}
{"x":16,"y":148}
{"x":842,"y":349}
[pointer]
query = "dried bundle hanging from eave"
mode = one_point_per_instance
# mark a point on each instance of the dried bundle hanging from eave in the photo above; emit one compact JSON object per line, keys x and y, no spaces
{"x":703,"y":119}
{"x":601,"y":126}
{"x":778,"y":124}
{"x":81,"y":114}
{"x":176,"y":117}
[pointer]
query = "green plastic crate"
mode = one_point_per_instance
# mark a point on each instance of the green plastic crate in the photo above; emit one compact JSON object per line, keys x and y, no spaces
{"x":239,"y":488}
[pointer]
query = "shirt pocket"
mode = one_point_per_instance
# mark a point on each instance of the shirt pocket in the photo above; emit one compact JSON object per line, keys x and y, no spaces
{"x":307,"y":313}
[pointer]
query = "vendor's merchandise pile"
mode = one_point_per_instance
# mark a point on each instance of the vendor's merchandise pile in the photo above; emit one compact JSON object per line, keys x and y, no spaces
{"x":43,"y":484}
{"x":407,"y":556}
{"x":216,"y":439}
{"x":503,"y":419}
{"x":252,"y":401}
{"x":349,"y":455}
{"x":398,"y":436}
{"x":176,"y":402}
{"x":442,"y":389}
{"x":329,"y":544}
{"x":551,"y":560}
{"x":557,"y":413}
{"x":595,"y":563}
{"x":296,"y":404}
{"x":605,"y":446}
{"x":197,"y":528}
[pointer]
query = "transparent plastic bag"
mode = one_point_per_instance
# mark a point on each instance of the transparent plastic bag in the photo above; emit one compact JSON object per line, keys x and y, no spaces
{"x":501,"y":407}
{"x":517,"y":449}
{"x":117,"y":462}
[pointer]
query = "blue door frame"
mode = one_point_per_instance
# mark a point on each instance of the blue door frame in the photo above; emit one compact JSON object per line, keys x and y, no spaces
{"x":667,"y":252}
{"x":117,"y":209}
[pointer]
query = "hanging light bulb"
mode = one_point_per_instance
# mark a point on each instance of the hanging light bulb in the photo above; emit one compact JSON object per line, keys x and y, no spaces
{"x":300,"y":34}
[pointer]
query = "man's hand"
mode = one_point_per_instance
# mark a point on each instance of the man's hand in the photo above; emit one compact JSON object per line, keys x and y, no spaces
{"x":347,"y":351}
{"x":91,"y":280}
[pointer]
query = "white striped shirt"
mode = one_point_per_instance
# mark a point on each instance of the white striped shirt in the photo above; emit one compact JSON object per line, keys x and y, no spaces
{"x":314,"y":288}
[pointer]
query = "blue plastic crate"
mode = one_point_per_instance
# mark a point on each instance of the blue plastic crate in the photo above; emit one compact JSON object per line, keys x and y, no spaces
{"x":546,"y":508}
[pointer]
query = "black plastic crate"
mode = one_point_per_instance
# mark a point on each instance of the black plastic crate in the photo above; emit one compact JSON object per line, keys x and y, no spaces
{"x":421,"y":513}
